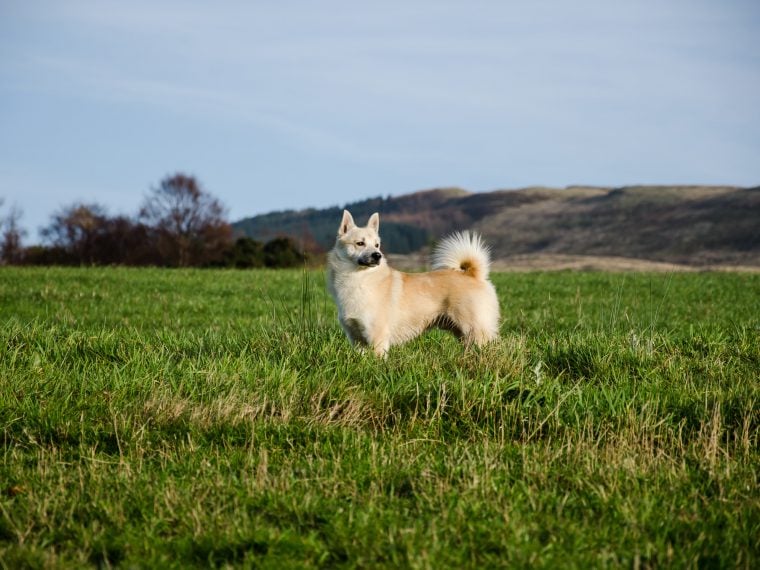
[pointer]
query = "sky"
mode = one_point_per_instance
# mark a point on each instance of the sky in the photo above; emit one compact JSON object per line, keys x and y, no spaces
{"x":295,"y":104}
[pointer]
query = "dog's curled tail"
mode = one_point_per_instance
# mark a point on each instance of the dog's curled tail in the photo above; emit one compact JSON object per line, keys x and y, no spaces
{"x":463,"y":251}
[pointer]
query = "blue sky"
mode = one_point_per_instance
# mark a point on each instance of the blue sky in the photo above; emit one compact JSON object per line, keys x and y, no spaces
{"x":292,"y":104}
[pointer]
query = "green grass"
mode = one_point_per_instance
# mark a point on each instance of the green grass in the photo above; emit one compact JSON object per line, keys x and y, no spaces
{"x":157,"y":418}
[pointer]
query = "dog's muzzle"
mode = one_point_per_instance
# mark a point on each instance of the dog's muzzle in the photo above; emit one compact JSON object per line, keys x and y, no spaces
{"x":370,"y":260}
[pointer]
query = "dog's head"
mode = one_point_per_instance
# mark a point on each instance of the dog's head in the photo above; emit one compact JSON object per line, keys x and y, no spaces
{"x":359,"y":245}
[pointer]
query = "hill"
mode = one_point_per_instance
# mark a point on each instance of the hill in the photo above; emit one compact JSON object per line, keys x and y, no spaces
{"x":692,"y":225}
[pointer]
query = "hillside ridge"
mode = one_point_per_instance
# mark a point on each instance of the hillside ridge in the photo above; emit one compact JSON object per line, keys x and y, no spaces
{"x":694,"y":225}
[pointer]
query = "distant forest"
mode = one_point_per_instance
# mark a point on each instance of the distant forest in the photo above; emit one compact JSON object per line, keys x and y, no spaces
{"x":319,"y":227}
{"x":178,"y":225}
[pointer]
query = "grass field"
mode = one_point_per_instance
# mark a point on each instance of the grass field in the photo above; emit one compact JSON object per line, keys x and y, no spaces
{"x":158,"y":418}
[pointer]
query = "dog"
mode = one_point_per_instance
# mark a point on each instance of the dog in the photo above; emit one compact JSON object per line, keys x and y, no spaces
{"x":379,"y":307}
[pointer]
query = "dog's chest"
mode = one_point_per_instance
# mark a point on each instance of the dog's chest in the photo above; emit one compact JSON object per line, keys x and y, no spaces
{"x":360,"y":295}
{"x":352,"y":294}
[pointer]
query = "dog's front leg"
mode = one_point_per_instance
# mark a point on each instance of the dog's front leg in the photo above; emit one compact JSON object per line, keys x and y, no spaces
{"x":381,"y":339}
{"x":381,"y":347}
{"x":354,"y":331}
{"x":366,"y":335}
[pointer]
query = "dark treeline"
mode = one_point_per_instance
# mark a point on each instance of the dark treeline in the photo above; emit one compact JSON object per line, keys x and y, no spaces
{"x":317,"y":226}
{"x":178,"y":225}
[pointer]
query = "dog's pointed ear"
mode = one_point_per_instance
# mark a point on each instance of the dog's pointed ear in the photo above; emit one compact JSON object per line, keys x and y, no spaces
{"x":374,"y":222}
{"x":346,"y":224}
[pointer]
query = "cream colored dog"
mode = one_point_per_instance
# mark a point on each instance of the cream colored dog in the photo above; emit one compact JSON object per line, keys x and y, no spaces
{"x":380,"y":307}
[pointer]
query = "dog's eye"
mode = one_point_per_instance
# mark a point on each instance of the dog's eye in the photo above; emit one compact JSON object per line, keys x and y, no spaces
{"x":377,"y":245}
{"x":360,"y":243}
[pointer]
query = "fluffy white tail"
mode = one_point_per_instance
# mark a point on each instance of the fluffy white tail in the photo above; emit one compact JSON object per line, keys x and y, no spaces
{"x":465,"y":252}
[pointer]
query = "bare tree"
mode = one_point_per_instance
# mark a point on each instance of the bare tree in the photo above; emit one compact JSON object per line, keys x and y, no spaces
{"x":11,"y":251}
{"x":77,"y":229}
{"x":190,"y":223}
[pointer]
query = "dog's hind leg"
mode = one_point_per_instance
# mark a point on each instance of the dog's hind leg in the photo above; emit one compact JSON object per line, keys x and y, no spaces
{"x":479,"y":336}
{"x":476,"y":328}
{"x":484,"y":330}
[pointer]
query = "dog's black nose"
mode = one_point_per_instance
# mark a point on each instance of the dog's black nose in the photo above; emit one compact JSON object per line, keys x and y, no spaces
{"x":377,"y":256}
